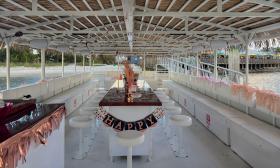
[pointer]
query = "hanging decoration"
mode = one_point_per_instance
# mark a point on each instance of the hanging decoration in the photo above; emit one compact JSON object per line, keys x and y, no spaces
{"x":129,"y":74}
{"x":264,"y":98}
{"x":16,"y":148}
{"x":120,"y":125}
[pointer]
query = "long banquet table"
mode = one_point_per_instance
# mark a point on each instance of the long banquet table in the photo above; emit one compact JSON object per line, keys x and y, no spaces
{"x":143,"y":105}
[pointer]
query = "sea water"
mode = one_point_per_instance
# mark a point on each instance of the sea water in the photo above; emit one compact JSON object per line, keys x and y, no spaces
{"x":19,"y":81}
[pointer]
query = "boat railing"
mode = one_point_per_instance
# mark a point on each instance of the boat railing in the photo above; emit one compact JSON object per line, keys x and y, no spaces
{"x":180,"y":66}
{"x":45,"y":89}
{"x":225,"y":74}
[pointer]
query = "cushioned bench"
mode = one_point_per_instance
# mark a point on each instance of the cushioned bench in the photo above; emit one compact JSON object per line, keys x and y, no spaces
{"x":255,"y":141}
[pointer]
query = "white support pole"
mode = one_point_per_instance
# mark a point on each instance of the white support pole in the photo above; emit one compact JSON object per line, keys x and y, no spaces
{"x":62,"y":64}
{"x":90,"y":63}
{"x":34,"y":5}
{"x":43,"y":64}
{"x":186,"y":25}
{"x":75,"y":61}
{"x":84,"y":63}
{"x":216,"y":64}
{"x":144,"y":62}
{"x":246,"y":39}
{"x":197,"y":65}
{"x":247,"y":63}
{"x":219,"y":5}
{"x":8,"y":76}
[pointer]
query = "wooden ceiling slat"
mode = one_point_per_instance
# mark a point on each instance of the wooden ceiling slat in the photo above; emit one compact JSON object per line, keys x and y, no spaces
{"x":155,"y":20}
{"x":117,"y":2}
{"x":20,"y":19}
{"x":93,"y":4}
{"x":230,"y":4}
{"x":177,"y":5}
{"x":192,"y":5}
{"x":152,"y":4}
{"x":24,"y":3}
{"x":164,"y":5}
{"x":106,"y":4}
{"x":94,"y":20}
{"x":173,"y":22}
{"x":64,"y":4}
{"x":80,"y":5}
{"x":48,"y":5}
{"x":9,"y":6}
{"x":64,"y":24}
{"x":85,"y":22}
{"x":265,"y":23}
{"x":140,"y":2}
{"x":165,"y":20}
{"x":206,"y":7}
{"x":9,"y":22}
{"x":5,"y":27}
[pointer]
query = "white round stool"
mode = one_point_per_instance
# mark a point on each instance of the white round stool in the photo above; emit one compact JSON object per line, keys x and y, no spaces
{"x":162,"y":96}
{"x":169,"y":111}
{"x":129,"y":139}
{"x":159,"y":93}
{"x":168,"y":103}
{"x":92,"y":102}
{"x":180,"y":121}
{"x":90,"y":111}
{"x":80,"y":122}
{"x":100,"y":89}
{"x":165,"y":90}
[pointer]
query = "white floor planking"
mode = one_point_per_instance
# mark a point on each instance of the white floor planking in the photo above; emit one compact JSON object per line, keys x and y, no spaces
{"x":205,"y":151}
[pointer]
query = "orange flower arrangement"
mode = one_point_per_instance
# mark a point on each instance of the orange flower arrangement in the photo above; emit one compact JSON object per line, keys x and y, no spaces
{"x":129,"y":74}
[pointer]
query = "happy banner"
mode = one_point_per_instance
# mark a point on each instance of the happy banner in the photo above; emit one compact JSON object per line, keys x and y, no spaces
{"x":120,"y":125}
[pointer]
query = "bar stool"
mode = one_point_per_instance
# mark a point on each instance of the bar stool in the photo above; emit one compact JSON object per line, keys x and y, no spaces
{"x":180,"y":121}
{"x":165,"y":90}
{"x":81,"y":122}
{"x":129,"y":139}
{"x":92,"y":102}
{"x":168,"y":103}
{"x":100,"y":90}
{"x":91,"y":111}
{"x":163,"y":97}
{"x":169,"y":111}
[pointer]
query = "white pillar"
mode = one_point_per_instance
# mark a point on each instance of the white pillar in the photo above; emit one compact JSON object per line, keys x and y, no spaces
{"x":62,"y":63}
{"x":75,"y":61}
{"x":247,"y":63}
{"x":216,"y":64}
{"x":90,"y":63}
{"x":43,"y":64}
{"x":8,"y":76}
{"x":84,"y":63}
{"x":246,"y":39}
{"x":129,"y":157}
{"x":197,"y":64}
{"x":144,"y":63}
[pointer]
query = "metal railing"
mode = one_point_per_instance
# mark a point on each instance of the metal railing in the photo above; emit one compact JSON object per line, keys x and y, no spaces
{"x":177,"y":66}
{"x":225,"y":74}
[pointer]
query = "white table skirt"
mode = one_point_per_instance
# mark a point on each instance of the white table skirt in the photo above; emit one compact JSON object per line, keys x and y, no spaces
{"x":130,"y":113}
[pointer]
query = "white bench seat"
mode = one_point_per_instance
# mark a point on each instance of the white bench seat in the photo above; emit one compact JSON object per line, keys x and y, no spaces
{"x":255,"y":141}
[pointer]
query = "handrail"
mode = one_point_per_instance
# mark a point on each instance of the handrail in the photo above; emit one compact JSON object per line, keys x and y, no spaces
{"x":175,"y":65}
{"x":194,"y":67}
{"x":240,"y":73}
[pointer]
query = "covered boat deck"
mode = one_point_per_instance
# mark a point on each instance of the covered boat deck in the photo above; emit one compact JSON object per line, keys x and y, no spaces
{"x":233,"y":124}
